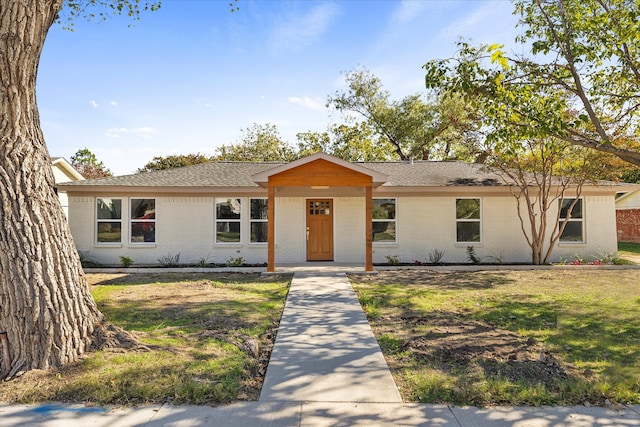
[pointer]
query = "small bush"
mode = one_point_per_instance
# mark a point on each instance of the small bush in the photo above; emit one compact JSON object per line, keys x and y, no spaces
{"x":125,"y":261}
{"x":471,"y":255}
{"x":392,"y":259}
{"x":435,"y":256}
{"x":170,"y":260}
{"x":235,"y":262}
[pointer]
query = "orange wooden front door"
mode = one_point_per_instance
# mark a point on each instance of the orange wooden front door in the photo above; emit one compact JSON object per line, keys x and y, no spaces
{"x":319,"y":230}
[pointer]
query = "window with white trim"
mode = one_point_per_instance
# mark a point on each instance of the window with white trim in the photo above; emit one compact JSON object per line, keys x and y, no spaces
{"x":468,"y":221}
{"x":143,"y":220}
{"x":259,"y":223}
{"x":384,"y":220}
{"x":108,"y":220}
{"x":573,"y":230}
{"x":228,"y":220}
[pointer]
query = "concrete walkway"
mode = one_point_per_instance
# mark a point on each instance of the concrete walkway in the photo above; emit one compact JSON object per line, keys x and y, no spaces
{"x":325,"y":350}
{"x":326,"y":369}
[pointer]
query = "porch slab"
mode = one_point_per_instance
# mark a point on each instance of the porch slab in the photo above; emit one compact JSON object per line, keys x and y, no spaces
{"x":325,"y":350}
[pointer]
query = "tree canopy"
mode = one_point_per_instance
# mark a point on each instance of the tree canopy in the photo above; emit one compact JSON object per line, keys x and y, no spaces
{"x":259,"y":143}
{"x":579,"y":84}
{"x":412,"y":127}
{"x":174,"y":161}
{"x":85,"y":162}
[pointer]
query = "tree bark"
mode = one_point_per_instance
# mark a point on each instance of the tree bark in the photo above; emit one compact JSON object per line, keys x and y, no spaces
{"x":45,"y":306}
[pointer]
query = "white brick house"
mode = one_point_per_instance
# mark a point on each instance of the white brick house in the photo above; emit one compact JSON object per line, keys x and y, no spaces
{"x":319,"y":208}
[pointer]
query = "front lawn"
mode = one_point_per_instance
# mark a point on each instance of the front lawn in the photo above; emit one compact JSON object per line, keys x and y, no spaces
{"x":209,"y":338}
{"x":553,"y":337}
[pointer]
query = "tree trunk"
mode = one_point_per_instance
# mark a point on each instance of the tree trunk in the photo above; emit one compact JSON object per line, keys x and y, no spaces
{"x":46,"y":308}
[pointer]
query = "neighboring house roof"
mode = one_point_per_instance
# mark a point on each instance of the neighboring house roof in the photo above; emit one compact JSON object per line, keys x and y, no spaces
{"x":247,"y":175}
{"x":63,"y":170}
{"x":629,"y":200}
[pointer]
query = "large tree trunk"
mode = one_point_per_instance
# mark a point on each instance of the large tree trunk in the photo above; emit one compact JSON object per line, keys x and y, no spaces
{"x":46,"y":309}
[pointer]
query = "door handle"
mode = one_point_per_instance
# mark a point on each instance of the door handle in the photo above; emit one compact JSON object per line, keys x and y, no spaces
{"x":307,"y":234}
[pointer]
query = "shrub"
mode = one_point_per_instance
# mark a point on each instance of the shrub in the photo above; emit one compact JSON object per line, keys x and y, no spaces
{"x":435,"y":256}
{"x":392,"y":259}
{"x":471,"y":255}
{"x":169,"y":260}
{"x":235,"y":262}
{"x":125,"y":261}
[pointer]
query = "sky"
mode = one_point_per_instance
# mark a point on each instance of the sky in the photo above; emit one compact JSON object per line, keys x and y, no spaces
{"x":192,"y":76}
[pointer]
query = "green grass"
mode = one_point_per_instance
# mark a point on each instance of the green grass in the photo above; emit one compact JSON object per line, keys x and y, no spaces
{"x":589,"y":319}
{"x":628,"y":248}
{"x":181,"y":318}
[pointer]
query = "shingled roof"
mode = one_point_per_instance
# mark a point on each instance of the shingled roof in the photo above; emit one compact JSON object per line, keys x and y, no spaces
{"x":239,"y":174}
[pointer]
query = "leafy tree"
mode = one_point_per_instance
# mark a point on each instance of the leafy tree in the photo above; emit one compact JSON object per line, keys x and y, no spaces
{"x":413,"y":127}
{"x":47,"y":311}
{"x":174,"y":161}
{"x":85,"y":162}
{"x":260,"y":143}
{"x":580,"y":84}
{"x":353,"y":143}
{"x":541,"y":174}
{"x":632,"y":176}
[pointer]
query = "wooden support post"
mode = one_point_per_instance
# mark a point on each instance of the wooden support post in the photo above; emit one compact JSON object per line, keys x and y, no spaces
{"x":368,"y":228}
{"x":271,"y":229}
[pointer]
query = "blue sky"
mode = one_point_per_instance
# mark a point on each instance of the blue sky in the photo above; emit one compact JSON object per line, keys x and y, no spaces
{"x":189,"y":77}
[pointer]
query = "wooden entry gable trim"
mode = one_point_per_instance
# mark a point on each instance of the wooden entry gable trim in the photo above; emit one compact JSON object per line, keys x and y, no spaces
{"x":320,"y":170}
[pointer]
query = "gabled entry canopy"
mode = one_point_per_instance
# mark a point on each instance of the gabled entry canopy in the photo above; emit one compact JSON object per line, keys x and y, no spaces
{"x":320,"y":169}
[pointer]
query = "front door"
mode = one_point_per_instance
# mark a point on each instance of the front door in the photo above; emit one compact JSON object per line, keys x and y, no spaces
{"x":319,"y":230}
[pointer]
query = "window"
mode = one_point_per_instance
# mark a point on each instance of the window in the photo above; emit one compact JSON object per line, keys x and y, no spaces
{"x":573,"y":230}
{"x":228,"y":220}
{"x":143,"y":220}
{"x":259,"y":222}
{"x":384,"y":220}
{"x":109,"y":220}
{"x":468,"y":220}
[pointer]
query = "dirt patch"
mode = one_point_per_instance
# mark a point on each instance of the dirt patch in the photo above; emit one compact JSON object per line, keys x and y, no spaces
{"x":457,"y":344}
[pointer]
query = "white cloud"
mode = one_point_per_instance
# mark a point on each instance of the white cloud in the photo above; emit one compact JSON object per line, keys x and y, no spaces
{"x":113,"y":103}
{"x":295,"y":31}
{"x":93,"y":103}
{"x":407,"y":11}
{"x":306,"y":102}
{"x":142,"y":132}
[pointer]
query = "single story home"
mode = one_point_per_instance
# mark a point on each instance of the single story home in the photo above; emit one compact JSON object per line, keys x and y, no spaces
{"x":63,"y":171}
{"x":628,"y":216}
{"x":320,"y":208}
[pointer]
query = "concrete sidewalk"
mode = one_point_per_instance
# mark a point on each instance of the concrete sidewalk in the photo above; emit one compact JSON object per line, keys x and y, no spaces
{"x":326,"y":369}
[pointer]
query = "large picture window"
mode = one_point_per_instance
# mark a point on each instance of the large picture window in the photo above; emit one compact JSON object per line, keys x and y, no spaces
{"x":259,"y":220}
{"x":468,"y":221}
{"x":108,"y":220}
{"x":228,"y":220}
{"x":143,"y":220}
{"x":384,"y":220}
{"x":573,"y":230}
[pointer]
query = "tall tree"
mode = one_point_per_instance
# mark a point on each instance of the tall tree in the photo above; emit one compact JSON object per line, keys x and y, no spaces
{"x":85,"y":162}
{"x":260,"y":143}
{"x":174,"y":161}
{"x":585,"y":62}
{"x":413,"y":127}
{"x":355,"y":143}
{"x":47,"y":311}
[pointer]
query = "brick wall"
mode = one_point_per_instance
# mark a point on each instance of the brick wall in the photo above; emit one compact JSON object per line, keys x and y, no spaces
{"x":628,"y":225}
